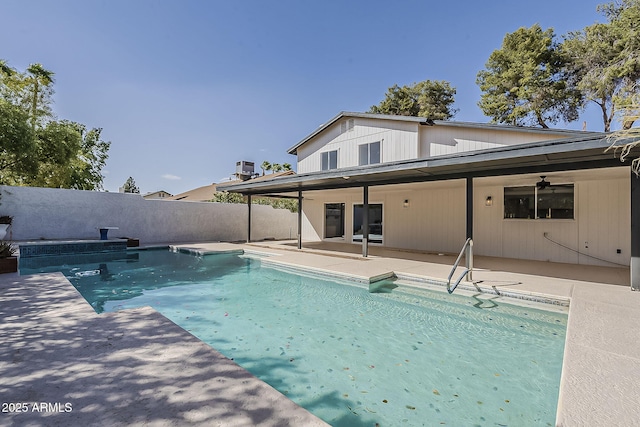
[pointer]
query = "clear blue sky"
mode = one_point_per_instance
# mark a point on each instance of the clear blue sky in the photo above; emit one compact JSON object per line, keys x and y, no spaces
{"x":184,"y":89}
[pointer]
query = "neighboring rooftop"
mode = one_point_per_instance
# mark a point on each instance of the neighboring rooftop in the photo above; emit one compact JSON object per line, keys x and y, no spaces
{"x":161,"y":194}
{"x":206,"y":193}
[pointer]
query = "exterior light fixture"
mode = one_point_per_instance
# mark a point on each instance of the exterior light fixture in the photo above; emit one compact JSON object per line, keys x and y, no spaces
{"x":405,"y":204}
{"x":488,"y":201}
{"x":346,"y":177}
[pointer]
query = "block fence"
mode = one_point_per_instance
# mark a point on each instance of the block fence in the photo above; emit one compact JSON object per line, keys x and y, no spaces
{"x":51,"y":213}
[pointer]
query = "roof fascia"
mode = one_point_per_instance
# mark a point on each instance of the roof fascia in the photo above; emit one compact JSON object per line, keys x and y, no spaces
{"x":517,"y":155}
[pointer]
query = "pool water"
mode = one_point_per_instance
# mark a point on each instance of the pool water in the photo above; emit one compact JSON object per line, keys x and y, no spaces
{"x":399,"y":356}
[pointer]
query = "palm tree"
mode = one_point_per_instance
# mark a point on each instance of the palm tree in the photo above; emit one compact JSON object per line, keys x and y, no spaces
{"x":5,"y":69}
{"x":39,"y":76}
{"x":276,"y":167}
{"x":265,"y":166}
{"x":286,"y":166}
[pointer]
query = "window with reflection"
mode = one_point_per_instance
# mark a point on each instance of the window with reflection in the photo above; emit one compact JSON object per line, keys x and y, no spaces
{"x":552,"y":202}
{"x":375,"y":223}
{"x":333,"y":220}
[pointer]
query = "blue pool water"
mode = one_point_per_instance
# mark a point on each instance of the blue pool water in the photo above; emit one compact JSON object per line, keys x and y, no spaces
{"x":398,"y":356}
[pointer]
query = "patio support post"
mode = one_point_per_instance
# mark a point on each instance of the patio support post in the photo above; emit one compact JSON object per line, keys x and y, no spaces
{"x":365,"y":221}
{"x":469,"y":208}
{"x":299,"y":219}
{"x":469,"y":250}
{"x":634,"y":268}
{"x":249,"y":219}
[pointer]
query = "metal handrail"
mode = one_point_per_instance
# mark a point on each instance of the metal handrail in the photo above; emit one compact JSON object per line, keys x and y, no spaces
{"x":468,"y":271}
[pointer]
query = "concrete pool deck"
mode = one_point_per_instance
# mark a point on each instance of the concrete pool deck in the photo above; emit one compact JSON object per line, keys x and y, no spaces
{"x":136,"y":367}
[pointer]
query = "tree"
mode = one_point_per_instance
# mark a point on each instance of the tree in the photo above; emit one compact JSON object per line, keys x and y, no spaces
{"x":274,"y":167}
{"x":5,"y":70}
{"x":80,"y":157}
{"x":130,"y":186}
{"x":524,"y":81}
{"x":265,"y":166}
{"x":605,"y":59}
{"x":51,"y":153}
{"x":590,"y":52}
{"x":17,"y":145}
{"x":624,"y":141}
{"x":40,"y":81}
{"x":430,"y":99}
{"x":226,"y":197}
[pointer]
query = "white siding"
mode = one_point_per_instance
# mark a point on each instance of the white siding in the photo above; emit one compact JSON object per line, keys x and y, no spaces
{"x":605,"y":219}
{"x":601,"y":225}
{"x":399,"y":141}
{"x":435,"y":219}
{"x":440,"y":140}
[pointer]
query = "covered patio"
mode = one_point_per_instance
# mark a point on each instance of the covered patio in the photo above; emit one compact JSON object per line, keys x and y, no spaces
{"x":467,"y":173}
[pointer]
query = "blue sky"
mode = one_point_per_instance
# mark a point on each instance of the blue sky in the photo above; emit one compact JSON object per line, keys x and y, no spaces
{"x":184,"y":89}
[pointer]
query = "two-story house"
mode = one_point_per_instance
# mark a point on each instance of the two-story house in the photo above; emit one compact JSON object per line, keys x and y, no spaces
{"x":412,"y":183}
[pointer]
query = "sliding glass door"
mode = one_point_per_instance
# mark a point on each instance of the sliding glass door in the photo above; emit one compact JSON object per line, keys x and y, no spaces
{"x":333,"y":220}
{"x":375,"y":223}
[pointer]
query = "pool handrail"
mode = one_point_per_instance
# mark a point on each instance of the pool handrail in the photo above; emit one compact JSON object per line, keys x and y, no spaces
{"x":468,"y":270}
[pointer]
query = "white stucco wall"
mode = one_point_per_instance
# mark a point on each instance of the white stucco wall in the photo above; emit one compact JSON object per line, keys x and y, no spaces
{"x":49,"y":213}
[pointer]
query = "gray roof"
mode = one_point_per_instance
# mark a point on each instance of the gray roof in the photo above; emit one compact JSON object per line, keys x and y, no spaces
{"x":582,"y":152}
{"x":429,"y":122}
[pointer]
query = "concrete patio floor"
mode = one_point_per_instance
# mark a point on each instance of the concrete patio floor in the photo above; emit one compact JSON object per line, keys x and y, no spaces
{"x":135,"y":367}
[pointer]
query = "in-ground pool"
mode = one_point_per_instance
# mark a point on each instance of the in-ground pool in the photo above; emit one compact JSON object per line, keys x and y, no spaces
{"x":398,"y":356}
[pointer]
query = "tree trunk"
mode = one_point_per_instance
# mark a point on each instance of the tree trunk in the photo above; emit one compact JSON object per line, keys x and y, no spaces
{"x":606,"y":118}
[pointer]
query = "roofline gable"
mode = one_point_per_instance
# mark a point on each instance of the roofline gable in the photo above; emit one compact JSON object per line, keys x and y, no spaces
{"x":428,"y":122}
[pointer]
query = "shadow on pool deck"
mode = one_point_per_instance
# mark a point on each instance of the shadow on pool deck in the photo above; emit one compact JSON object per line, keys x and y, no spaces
{"x":132,"y":367}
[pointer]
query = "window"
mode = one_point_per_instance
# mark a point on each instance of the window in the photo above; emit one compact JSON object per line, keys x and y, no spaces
{"x":369,"y":154}
{"x":552,"y":202}
{"x":333,"y":220}
{"x":329,"y":160}
{"x":375,"y":223}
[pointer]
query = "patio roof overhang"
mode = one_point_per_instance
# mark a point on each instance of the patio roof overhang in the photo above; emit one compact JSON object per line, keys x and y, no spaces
{"x":586,"y":152}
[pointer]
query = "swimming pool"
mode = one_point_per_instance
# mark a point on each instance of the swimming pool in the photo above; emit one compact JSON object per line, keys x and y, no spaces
{"x":400,"y":356}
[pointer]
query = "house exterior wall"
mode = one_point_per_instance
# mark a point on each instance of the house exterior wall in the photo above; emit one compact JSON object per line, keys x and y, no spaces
{"x":399,"y":141}
{"x":435,"y":219}
{"x":600,"y":227}
{"x":440,"y":140}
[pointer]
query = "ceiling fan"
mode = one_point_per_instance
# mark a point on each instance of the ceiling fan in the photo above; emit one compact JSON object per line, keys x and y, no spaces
{"x":542,"y":184}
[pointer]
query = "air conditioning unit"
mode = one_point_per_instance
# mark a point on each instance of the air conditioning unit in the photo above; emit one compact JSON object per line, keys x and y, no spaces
{"x":244,"y":170}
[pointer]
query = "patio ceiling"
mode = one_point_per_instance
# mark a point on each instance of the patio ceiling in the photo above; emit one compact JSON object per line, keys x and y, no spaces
{"x":586,"y":152}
